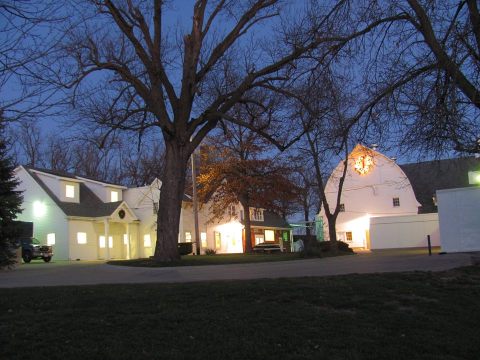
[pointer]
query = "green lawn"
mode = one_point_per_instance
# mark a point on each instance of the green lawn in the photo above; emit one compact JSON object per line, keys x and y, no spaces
{"x":381,"y":316}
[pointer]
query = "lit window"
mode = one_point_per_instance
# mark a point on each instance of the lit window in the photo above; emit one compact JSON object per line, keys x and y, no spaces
{"x":342,"y":207}
{"x":125,"y":239}
{"x":256,"y":214}
{"x":203,"y":237}
{"x":51,"y":239}
{"x":269,"y":235}
{"x":349,"y":236}
{"x":147,"y":241}
{"x":188,"y":236}
{"x":396,"y":201}
{"x":81,"y":238}
{"x":218,"y":240}
{"x":70,"y":191}
{"x":113,"y":196}
{"x":102,"y":242}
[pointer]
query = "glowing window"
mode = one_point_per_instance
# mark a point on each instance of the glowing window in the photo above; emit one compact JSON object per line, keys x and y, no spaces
{"x":125,"y":239}
{"x":203,"y":237}
{"x":256,"y":214}
{"x":147,"y":241}
{"x":349,"y":236}
{"x":51,"y":239}
{"x":218,"y":240}
{"x":81,"y":238}
{"x":113,"y":196}
{"x":102,"y":242}
{"x":70,"y":191}
{"x":188,"y":236}
{"x":269,"y":235}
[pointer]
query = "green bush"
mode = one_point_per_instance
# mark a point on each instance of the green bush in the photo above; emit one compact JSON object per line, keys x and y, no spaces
{"x":210,"y":252}
{"x":324,"y":248}
{"x":185,"y":248}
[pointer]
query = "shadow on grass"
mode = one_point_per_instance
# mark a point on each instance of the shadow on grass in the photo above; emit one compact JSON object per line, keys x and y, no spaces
{"x":221,"y":259}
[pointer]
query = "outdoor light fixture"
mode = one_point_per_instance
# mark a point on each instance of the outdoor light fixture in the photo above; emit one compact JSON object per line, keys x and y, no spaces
{"x":39,"y":209}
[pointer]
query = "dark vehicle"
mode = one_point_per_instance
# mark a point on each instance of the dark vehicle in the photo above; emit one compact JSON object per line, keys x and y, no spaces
{"x":267,"y":247}
{"x":32,"y":249}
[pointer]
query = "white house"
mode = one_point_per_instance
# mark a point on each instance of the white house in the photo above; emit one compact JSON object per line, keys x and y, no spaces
{"x":82,"y":218}
{"x":386,"y":205}
{"x":88,"y":220}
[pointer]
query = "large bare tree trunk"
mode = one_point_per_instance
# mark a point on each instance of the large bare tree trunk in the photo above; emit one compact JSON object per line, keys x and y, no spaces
{"x":170,"y":205}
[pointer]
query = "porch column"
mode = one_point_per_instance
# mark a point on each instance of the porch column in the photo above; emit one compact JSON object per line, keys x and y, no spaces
{"x":107,"y":242}
{"x":128,"y":241}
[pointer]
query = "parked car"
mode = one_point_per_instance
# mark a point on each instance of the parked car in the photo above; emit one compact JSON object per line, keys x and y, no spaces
{"x":32,"y":249}
{"x":267,"y":247}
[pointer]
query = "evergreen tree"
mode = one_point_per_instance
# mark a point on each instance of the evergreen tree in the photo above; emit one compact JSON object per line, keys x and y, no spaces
{"x":10,"y":202}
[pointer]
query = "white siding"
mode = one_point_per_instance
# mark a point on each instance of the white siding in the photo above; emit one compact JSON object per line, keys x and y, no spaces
{"x":52,"y":221}
{"x":369,"y":195}
{"x":458,"y":211}
{"x":404,"y":231}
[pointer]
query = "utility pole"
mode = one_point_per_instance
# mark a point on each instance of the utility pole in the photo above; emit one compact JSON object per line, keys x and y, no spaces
{"x":195,"y":204}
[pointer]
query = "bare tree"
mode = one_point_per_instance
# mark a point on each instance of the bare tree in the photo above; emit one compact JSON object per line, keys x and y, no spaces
{"x":420,"y":75}
{"x":29,"y":143}
{"x":23,"y":41}
{"x":142,"y":165}
{"x":215,"y":67}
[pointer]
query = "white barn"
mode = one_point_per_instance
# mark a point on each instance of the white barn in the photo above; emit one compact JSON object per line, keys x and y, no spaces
{"x":386,"y":205}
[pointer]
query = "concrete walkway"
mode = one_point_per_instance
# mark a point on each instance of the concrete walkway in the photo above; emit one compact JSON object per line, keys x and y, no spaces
{"x":96,"y":272}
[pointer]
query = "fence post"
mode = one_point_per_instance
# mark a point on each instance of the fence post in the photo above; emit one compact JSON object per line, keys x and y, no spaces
{"x":429,"y":246}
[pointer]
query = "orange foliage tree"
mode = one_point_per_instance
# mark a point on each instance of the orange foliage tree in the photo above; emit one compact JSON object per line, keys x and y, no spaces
{"x":234,"y":170}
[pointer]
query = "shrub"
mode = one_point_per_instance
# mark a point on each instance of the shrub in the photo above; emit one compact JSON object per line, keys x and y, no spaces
{"x":324,"y":248}
{"x":210,"y":252}
{"x":185,"y":248}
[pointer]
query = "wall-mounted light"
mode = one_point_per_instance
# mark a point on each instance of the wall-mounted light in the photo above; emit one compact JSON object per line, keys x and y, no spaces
{"x":39,"y":209}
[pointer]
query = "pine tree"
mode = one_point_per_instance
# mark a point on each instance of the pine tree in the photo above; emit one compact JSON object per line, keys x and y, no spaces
{"x":10,"y":202}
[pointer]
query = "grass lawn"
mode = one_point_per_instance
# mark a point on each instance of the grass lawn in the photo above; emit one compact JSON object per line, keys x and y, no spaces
{"x":381,"y":316}
{"x":218,"y":259}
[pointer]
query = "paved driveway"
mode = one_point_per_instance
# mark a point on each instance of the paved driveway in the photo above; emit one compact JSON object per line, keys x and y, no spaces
{"x":96,"y":272}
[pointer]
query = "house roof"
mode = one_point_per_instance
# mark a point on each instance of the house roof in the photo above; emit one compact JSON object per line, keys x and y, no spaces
{"x":429,"y":176}
{"x":89,"y":206}
{"x":68,"y":175}
{"x":271,"y":220}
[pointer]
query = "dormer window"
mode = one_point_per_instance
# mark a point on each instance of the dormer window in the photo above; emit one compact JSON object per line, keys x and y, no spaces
{"x":70,"y":191}
{"x":256,"y":214}
{"x":113,"y":196}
